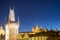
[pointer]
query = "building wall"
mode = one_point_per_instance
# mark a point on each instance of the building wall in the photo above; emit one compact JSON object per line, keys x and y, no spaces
{"x":36,"y":38}
{"x":13,"y":31}
{"x":41,"y":38}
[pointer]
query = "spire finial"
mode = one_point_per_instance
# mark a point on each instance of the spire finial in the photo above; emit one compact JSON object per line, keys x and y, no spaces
{"x":11,"y":8}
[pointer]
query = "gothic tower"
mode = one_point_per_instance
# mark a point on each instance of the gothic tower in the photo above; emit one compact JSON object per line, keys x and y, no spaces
{"x":11,"y":27}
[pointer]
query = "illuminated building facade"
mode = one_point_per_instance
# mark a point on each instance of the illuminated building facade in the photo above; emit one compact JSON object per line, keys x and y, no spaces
{"x":11,"y":27}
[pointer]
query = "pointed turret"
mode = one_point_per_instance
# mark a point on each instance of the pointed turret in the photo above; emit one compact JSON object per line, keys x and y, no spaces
{"x":5,"y":19}
{"x":2,"y":32}
{"x":11,"y":15}
{"x":18,"y":20}
{"x":1,"y":27}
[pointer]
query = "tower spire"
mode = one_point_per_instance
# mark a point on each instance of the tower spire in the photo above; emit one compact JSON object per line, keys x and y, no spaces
{"x":18,"y":20}
{"x":5,"y":19}
{"x":11,"y":14}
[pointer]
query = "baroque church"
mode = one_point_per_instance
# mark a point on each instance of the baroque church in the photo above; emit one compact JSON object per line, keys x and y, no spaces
{"x":11,"y":31}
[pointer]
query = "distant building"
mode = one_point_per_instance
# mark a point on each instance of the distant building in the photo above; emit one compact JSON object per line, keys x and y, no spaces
{"x":42,"y":35}
{"x":37,"y":29}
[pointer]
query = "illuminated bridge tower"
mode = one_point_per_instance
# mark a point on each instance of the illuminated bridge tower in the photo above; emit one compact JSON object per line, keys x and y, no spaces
{"x":11,"y":27}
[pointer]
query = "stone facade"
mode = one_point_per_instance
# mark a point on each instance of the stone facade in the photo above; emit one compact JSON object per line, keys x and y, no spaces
{"x":11,"y":27}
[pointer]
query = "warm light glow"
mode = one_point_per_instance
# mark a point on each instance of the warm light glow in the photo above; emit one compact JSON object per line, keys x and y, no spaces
{"x":7,"y":33}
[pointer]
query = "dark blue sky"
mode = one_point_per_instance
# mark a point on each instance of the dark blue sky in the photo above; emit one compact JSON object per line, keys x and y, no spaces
{"x":45,"y":13}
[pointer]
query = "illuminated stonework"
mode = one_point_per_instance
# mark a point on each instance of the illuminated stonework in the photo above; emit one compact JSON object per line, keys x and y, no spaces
{"x":2,"y":32}
{"x":37,"y":29}
{"x":11,"y":27}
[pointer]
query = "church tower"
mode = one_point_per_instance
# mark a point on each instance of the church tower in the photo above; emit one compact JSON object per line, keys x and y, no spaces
{"x":11,"y":26}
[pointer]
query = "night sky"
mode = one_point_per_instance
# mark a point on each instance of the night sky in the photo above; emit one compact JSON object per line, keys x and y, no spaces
{"x":45,"y":13}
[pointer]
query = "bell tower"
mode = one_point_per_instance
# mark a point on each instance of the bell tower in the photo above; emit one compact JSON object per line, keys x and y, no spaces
{"x":11,"y":27}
